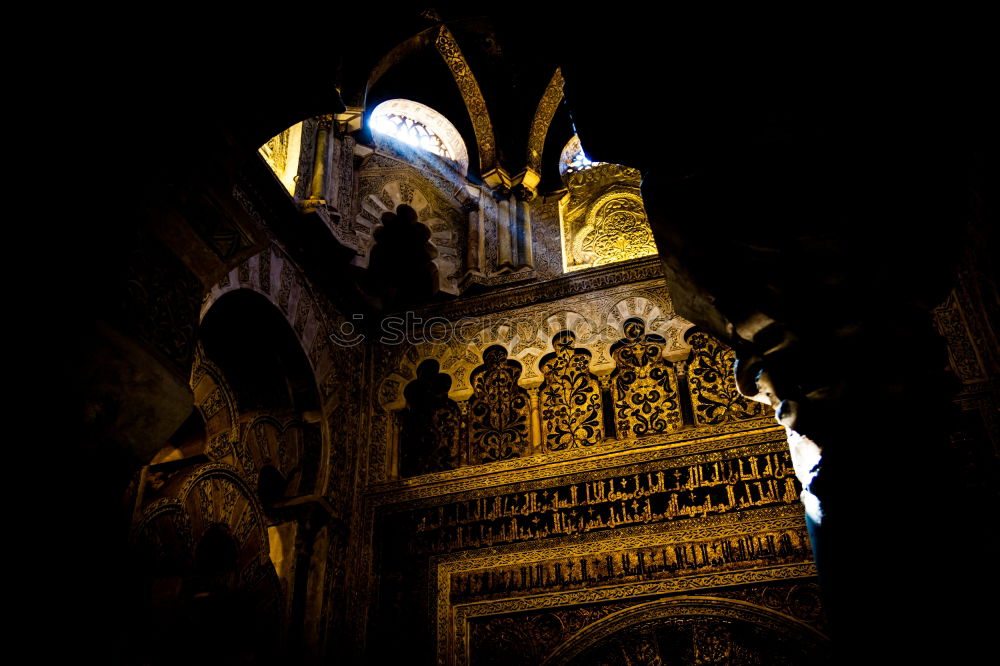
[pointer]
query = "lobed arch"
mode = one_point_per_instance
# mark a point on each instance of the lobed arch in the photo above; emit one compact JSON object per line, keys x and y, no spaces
{"x":206,"y":542}
{"x":657,"y":313}
{"x":443,"y":218}
{"x":527,"y":337}
{"x":175,"y":523}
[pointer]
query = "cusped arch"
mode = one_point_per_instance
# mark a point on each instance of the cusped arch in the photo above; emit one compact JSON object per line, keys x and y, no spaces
{"x":442,"y":221}
{"x":458,"y":354}
{"x":657,"y":313}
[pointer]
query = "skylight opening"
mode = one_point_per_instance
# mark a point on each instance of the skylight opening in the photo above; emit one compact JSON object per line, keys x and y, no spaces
{"x":578,"y":162}
{"x":412,"y":132}
{"x":573,"y":159}
{"x":420,"y":126}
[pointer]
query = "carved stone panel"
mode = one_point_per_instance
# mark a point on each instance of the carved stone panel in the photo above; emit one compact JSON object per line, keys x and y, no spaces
{"x":714,"y":395}
{"x":570,"y":397}
{"x":645,"y":385}
{"x":499,"y":413}
{"x":431,"y":432}
{"x":603,"y":219}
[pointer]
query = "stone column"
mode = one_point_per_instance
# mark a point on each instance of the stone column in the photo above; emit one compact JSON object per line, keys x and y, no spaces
{"x":537,"y":443}
{"x":463,"y":438}
{"x":305,"y":538}
{"x":608,"y":406}
{"x":505,"y":231}
{"x":317,"y":184}
{"x":522,"y":222}
{"x":474,"y":243}
{"x":392,"y":457}
{"x":684,"y":398}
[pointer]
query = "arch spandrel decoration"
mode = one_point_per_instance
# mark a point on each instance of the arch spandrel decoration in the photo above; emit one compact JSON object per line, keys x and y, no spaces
{"x":646,"y":397}
{"x":570,"y":397}
{"x":714,"y":395}
{"x":281,"y":153}
{"x":616,"y":230}
{"x":499,"y":413}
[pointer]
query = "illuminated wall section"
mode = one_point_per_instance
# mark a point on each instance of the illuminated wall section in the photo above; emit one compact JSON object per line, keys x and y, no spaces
{"x":281,"y":153}
{"x":602,"y":218}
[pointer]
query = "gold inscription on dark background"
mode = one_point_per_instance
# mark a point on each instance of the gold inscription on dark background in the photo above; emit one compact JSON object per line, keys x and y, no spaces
{"x":633,"y":565}
{"x":666,"y":494}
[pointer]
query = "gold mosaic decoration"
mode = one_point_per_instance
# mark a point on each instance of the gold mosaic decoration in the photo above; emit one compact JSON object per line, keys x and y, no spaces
{"x":603,"y":219}
{"x":617,"y":230}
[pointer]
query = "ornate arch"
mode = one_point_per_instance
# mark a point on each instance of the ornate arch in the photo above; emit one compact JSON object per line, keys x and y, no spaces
{"x":657,"y":312}
{"x":684,"y":607}
{"x":472,"y":95}
{"x":193,"y":501}
{"x":547,"y":106}
{"x":383,"y":191}
{"x":273,"y":275}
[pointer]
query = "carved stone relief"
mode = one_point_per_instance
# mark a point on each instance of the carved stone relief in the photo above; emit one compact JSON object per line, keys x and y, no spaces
{"x":713,"y":384}
{"x":628,"y":336}
{"x":385,"y":183}
{"x":498,"y":409}
{"x":645,"y":385}
{"x":603,"y":219}
{"x":570,"y":397}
